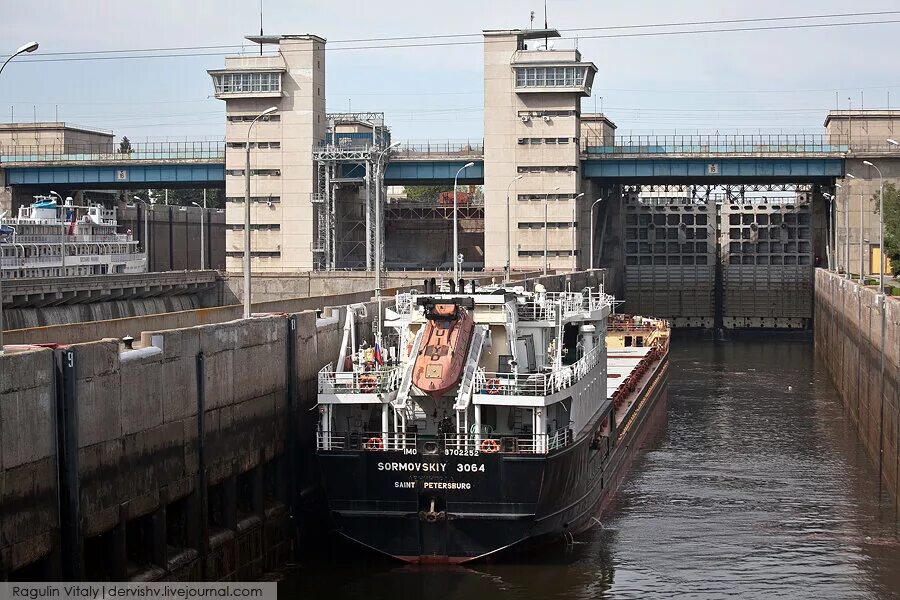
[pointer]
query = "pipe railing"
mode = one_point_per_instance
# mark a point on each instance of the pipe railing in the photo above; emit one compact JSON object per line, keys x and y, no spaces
{"x":144,"y":151}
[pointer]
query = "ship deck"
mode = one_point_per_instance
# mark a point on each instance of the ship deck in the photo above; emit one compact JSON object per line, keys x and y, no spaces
{"x":621,"y":362}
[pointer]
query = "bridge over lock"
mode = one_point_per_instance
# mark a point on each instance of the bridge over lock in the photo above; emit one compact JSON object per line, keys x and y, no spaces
{"x":692,"y":258}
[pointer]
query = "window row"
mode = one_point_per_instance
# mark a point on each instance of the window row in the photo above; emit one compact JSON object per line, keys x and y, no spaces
{"x":547,"y":113}
{"x":250,"y":118}
{"x":254,"y":144}
{"x":536,"y":141}
{"x":255,"y":254}
{"x":550,"y":76}
{"x":240,"y":199}
{"x":236,"y":83}
{"x":550,"y":225}
{"x":547,"y":197}
{"x":551,"y":253}
{"x":260,"y":172}
{"x":255,"y":227}
{"x":546,"y":169}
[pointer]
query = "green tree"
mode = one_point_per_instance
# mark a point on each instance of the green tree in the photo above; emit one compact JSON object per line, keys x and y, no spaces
{"x":891,"y":224}
{"x":215,"y":198}
{"x":421,"y":193}
{"x":125,"y":145}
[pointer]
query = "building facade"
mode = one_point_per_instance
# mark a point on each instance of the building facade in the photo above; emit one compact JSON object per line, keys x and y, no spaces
{"x":532,"y":130}
{"x":282,"y":182}
{"x":53,"y":138}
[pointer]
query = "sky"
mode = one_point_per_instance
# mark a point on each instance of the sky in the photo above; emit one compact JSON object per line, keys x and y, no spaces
{"x":730,"y":82}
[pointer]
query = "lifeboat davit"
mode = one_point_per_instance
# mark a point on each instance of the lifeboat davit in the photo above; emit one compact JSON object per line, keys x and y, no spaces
{"x":445,"y":345}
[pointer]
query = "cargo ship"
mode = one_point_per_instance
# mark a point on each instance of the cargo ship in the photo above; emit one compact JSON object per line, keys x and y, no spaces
{"x":486,"y":420}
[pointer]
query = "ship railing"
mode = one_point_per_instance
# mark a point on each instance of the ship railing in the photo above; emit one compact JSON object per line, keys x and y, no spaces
{"x":72,"y":239}
{"x":537,"y":384}
{"x":383,"y":379}
{"x":503,"y":443}
{"x":374,"y":441}
{"x":544,"y":306}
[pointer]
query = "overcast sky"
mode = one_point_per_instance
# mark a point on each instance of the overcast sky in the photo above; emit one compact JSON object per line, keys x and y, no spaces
{"x":747,"y":81}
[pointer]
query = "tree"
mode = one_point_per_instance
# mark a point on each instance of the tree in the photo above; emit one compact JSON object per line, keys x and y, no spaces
{"x":421,"y":193}
{"x":125,"y":145}
{"x":215,"y":198}
{"x":891,"y":224}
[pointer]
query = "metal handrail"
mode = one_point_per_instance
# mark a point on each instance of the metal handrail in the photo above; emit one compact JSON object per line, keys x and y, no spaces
{"x":374,"y":441}
{"x":537,"y":384}
{"x":384,"y":379}
{"x":734,"y":144}
{"x":529,"y":443}
{"x":147,"y":151}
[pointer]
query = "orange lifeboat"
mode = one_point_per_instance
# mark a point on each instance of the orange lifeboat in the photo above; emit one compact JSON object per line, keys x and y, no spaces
{"x":442,"y":357}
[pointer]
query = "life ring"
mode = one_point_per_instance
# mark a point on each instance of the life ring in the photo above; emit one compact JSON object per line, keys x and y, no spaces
{"x":489,"y":446}
{"x":367,"y":383}
{"x":374,"y":443}
{"x":493,"y":386}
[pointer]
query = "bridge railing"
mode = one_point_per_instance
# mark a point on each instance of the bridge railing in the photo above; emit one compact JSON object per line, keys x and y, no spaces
{"x":705,"y":145}
{"x":146,"y":151}
{"x":448,"y":149}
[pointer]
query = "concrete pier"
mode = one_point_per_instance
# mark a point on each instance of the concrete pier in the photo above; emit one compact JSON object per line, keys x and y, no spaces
{"x":857,"y":334}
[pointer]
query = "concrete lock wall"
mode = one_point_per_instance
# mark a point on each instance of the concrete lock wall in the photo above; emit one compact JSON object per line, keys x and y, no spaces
{"x":848,"y":337}
{"x":184,"y":452}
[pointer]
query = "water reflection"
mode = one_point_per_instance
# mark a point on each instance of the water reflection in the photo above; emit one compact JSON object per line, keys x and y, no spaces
{"x":757,"y":488}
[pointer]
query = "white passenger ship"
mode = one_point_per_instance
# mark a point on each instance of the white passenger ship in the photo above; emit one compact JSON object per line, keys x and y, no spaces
{"x":495,"y":418}
{"x":47,"y":239}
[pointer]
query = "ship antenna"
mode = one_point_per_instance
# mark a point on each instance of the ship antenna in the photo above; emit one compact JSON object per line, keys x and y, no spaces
{"x":260,"y":26}
{"x":546,"y":40}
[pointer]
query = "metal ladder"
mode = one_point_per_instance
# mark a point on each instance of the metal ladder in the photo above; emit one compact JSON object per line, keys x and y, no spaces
{"x":401,"y":402}
{"x":467,"y":383}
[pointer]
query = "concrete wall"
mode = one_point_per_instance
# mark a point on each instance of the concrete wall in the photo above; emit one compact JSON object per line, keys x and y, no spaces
{"x":28,"y":482}
{"x":848,"y":337}
{"x":187,"y":451}
{"x":175,"y":235}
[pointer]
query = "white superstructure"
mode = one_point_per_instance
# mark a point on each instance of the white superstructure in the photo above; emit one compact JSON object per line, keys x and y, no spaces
{"x":47,"y":239}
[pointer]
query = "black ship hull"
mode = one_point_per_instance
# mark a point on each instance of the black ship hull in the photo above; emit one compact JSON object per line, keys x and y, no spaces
{"x":454,"y":509}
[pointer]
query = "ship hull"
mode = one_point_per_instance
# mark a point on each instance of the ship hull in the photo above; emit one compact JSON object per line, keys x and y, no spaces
{"x":455,"y":509}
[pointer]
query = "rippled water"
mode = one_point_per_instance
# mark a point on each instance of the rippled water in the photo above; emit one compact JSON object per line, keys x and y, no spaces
{"x":756,"y":488}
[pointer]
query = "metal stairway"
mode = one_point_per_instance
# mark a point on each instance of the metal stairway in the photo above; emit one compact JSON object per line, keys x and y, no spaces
{"x":467,"y":382}
{"x":401,"y":402}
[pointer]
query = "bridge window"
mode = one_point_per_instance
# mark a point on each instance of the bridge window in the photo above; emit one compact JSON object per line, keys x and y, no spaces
{"x":540,"y":225}
{"x":542,"y":197}
{"x":242,"y":83}
{"x":550,"y":76}
{"x":263,"y":145}
{"x":267,"y":199}
{"x":546,"y":169}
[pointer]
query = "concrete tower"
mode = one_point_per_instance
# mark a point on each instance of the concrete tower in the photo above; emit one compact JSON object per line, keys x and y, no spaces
{"x":532,"y":123}
{"x":281,"y":164}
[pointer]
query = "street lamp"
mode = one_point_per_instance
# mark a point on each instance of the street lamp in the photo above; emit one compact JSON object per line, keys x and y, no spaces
{"x":861,"y":230}
{"x":264,"y":113}
{"x":378,"y":181}
{"x":202,"y":246}
{"x":29,"y":47}
{"x":880,"y":226}
{"x":597,"y":201}
{"x":508,"y":246}
{"x":546,"y":235}
{"x":456,"y":226}
{"x":574,"y":236}
{"x":147,"y":208}
{"x":846,"y":230}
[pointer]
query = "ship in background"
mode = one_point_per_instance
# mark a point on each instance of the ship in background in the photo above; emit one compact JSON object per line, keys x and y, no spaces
{"x":47,"y":239}
{"x":493,"y":419}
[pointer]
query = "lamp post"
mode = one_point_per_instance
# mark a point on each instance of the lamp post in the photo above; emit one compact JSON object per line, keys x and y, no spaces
{"x":846,"y":231}
{"x":508,"y":245}
{"x":147,"y":208}
{"x":378,"y":180}
{"x":828,"y":229}
{"x":456,"y":264}
{"x":546,"y":234}
{"x":880,"y":226}
{"x":861,"y":231}
{"x":595,"y":203}
{"x":264,"y":113}
{"x":29,"y":47}
{"x":202,"y":247}
{"x":574,"y":235}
